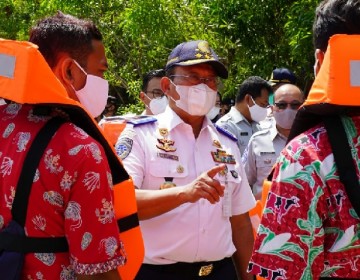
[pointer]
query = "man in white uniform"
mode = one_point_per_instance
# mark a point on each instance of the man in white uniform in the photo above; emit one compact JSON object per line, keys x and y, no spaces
{"x":192,"y":193}
{"x":250,"y":108}
{"x":265,"y":145}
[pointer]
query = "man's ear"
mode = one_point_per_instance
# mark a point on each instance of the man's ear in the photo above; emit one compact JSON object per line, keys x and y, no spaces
{"x":64,"y":70}
{"x":142,"y":96}
{"x":319,"y":58}
{"x":247,"y":98}
{"x":165,"y":85}
{"x":319,"y":55}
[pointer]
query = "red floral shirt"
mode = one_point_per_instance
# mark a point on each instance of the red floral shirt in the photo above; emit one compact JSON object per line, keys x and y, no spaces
{"x":71,"y":196}
{"x":309,"y":228}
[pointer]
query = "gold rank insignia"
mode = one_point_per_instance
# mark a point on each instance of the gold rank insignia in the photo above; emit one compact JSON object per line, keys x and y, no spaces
{"x":163,"y":132}
{"x":166,"y":145}
{"x":180,"y":169}
{"x":222,"y":157}
{"x":217,"y":144}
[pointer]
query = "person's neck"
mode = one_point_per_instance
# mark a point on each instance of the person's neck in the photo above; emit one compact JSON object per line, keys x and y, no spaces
{"x":283,"y":131}
{"x":195,"y":122}
{"x":244,"y":110}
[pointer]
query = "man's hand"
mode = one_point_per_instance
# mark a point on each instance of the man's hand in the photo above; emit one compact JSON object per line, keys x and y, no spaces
{"x":205,"y":186}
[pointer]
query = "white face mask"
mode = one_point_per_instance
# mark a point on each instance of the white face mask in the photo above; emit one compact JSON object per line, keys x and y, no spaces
{"x":213,"y":112}
{"x":195,"y":100}
{"x":158,"y":106}
{"x":93,"y":96}
{"x":285,"y":118}
{"x":257,"y":113}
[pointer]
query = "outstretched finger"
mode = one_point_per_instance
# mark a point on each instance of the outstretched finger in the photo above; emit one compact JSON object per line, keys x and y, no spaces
{"x":215,"y":170}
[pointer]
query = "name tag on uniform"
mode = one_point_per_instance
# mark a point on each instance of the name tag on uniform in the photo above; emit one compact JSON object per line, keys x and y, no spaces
{"x":168,"y":156}
{"x":267,"y":153}
{"x":244,"y":133}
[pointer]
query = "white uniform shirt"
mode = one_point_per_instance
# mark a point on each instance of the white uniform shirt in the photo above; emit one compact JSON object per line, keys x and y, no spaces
{"x":192,"y":232}
{"x":260,"y":156}
{"x":238,"y":125}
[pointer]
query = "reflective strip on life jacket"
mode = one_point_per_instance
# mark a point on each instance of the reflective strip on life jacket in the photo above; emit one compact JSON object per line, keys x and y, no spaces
{"x":338,"y":81}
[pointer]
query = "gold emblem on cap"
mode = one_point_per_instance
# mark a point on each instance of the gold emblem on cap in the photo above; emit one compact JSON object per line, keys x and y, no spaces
{"x":203,"y":50}
{"x":180,"y":169}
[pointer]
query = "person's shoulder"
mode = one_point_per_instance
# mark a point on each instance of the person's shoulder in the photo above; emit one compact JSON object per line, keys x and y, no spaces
{"x":134,"y":120}
{"x":225,"y":118}
{"x":224,"y":131}
{"x":262,"y":133}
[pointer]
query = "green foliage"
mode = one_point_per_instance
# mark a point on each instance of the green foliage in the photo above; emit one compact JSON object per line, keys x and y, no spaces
{"x":250,"y":36}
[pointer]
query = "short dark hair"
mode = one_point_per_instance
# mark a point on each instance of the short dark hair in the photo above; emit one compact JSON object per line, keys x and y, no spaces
{"x":253,"y":86}
{"x":64,"y":33}
{"x":158,"y":73}
{"x":335,"y":17}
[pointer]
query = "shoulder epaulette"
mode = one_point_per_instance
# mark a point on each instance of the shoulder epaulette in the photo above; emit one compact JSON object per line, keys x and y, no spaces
{"x":141,"y":119}
{"x":262,"y":131}
{"x":134,"y":120}
{"x":225,"y":118}
{"x":226,"y":132}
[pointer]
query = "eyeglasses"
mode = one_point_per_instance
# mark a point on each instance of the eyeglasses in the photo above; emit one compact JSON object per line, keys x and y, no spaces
{"x":284,"y":105}
{"x":155,"y":94}
{"x":212,"y":82}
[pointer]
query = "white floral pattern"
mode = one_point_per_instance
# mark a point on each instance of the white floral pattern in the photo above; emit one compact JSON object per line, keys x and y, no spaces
{"x":70,"y":196}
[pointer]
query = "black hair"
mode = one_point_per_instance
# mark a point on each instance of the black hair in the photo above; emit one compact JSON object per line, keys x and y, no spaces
{"x":335,"y":17}
{"x":158,"y":73}
{"x":64,"y":33}
{"x":253,"y":86}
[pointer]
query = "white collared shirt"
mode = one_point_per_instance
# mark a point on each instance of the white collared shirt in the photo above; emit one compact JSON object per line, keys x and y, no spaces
{"x":192,"y":232}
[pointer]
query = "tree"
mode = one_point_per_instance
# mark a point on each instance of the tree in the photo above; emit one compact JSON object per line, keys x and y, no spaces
{"x":250,"y":36}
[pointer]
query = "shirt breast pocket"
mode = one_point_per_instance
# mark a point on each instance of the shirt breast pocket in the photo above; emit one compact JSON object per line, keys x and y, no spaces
{"x":162,"y":170}
{"x":266,"y":160}
{"x":232,"y":177}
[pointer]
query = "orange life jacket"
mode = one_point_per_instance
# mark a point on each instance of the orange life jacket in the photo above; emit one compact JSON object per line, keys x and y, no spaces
{"x":26,"y":78}
{"x":336,"y":88}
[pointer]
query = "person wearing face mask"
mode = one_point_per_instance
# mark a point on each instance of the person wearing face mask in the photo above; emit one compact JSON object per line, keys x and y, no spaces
{"x":59,"y":75}
{"x":151,"y":94}
{"x":265,"y":145}
{"x":192,"y":193}
{"x":214,"y":113}
{"x":251,"y":107}
{"x":310,"y":226}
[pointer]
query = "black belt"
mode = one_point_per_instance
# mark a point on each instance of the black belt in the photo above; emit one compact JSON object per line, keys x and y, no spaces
{"x":189,"y":269}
